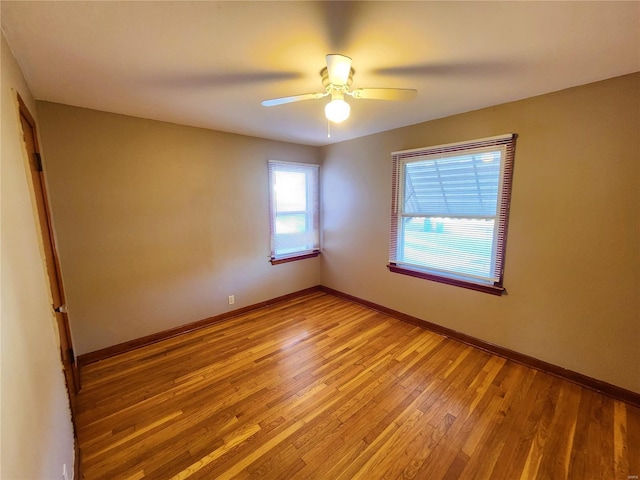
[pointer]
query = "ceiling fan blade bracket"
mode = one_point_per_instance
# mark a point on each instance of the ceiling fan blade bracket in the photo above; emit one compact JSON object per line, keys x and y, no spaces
{"x":328,"y":85}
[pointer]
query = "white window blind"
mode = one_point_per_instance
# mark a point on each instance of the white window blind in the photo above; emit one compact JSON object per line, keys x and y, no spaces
{"x":450,"y":209}
{"x":294,"y":209}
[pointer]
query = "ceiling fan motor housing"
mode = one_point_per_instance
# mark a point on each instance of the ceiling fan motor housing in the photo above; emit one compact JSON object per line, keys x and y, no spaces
{"x":324,"y":73}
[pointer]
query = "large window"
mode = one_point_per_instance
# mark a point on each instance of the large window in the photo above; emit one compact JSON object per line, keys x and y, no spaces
{"x":450,"y":209}
{"x":294,"y":208}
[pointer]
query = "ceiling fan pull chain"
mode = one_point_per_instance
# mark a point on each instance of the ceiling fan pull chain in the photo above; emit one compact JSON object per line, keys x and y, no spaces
{"x":328,"y":128}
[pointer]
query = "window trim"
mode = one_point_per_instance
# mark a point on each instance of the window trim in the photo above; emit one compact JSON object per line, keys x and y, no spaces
{"x":313,"y":213}
{"x":293,"y":258}
{"x":504,"y":200}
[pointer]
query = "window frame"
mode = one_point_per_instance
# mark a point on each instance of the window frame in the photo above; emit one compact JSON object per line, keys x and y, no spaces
{"x":400,"y":159}
{"x":312,"y":212}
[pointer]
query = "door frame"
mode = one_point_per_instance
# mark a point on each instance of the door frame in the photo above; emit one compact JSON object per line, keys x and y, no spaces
{"x":36,"y":174}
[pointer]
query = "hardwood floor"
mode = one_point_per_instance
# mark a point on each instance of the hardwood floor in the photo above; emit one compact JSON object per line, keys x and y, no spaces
{"x":322,"y":388}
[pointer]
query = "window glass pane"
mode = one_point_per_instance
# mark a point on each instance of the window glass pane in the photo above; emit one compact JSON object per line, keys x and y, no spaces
{"x":291,"y":223}
{"x":291,"y":191}
{"x":464,"y":184}
{"x":462,"y":246}
{"x":294,"y":242}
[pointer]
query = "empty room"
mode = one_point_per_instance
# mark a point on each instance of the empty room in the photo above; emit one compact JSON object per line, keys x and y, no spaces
{"x":320,"y":240}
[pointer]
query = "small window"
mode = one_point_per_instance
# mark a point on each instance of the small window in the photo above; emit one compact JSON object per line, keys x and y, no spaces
{"x":450,"y":209}
{"x":294,"y":210}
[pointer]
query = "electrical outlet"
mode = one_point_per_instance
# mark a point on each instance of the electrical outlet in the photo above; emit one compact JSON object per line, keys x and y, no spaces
{"x":65,"y":476}
{"x":232,"y":299}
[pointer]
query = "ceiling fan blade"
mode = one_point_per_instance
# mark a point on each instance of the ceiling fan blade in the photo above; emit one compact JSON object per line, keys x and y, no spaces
{"x":295,"y":98}
{"x":338,"y":67}
{"x":385,"y":93}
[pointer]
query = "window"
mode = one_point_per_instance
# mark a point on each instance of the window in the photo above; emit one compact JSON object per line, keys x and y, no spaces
{"x":294,"y":209}
{"x":450,"y":209}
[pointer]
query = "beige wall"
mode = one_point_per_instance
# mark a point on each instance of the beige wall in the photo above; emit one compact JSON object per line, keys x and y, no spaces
{"x":158,"y":223}
{"x":573,"y":254}
{"x":36,"y":430}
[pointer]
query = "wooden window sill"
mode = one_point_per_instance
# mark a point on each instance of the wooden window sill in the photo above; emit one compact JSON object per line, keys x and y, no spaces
{"x":492,"y":289}
{"x":277,"y":261}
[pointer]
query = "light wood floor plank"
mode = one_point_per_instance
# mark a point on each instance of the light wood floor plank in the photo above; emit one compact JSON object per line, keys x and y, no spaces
{"x":318,"y":387}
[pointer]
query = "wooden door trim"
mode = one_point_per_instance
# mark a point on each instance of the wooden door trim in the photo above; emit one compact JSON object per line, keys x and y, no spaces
{"x":52,"y":265}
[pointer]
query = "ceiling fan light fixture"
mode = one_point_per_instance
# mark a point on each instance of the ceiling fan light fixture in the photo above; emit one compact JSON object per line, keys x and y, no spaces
{"x":337,"y":77}
{"x":337,"y":110}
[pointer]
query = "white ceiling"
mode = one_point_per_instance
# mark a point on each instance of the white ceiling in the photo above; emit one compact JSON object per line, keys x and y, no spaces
{"x":210,"y":64}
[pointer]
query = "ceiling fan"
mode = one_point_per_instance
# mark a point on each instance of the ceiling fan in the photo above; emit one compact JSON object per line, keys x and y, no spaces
{"x":337,"y":77}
